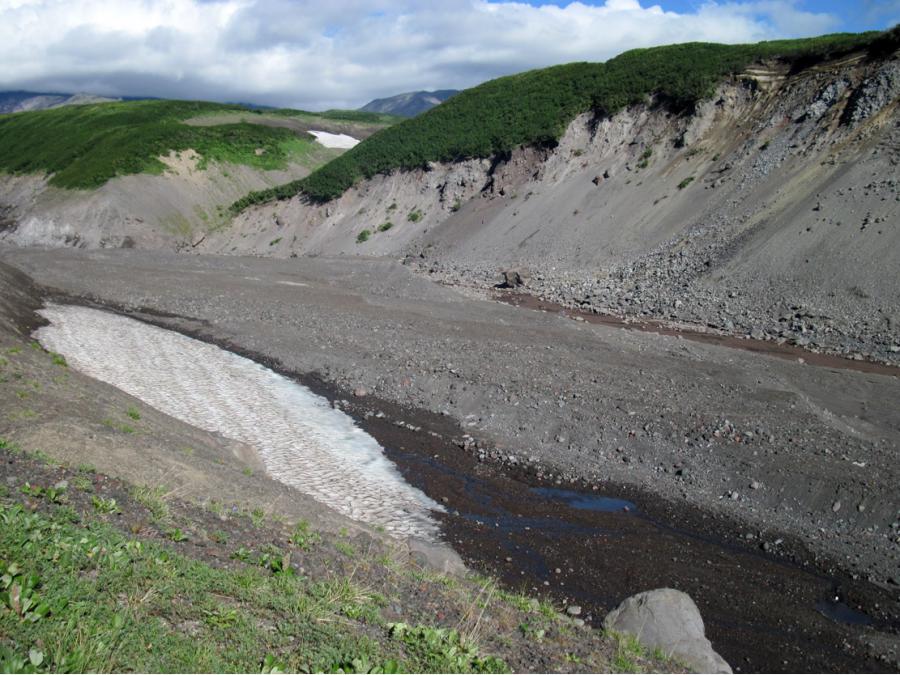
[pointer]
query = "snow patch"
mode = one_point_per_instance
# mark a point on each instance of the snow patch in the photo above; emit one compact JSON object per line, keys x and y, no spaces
{"x":302,"y":441}
{"x":335,"y":140}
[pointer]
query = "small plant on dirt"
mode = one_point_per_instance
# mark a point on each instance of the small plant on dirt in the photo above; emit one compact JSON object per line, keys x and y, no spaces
{"x":275,"y":560}
{"x":457,"y":205}
{"x":219,"y":537}
{"x":345,"y":548}
{"x":384,"y":227}
{"x":154,"y":500}
{"x":303,"y":537}
{"x":247,"y":471}
{"x":628,"y":649}
{"x":176,"y":534}
{"x":274,"y":241}
{"x":443,"y":650}
{"x":645,"y":158}
{"x":32,"y":490}
{"x":415,"y":216}
{"x":221,"y":617}
{"x":87,"y":468}
{"x":82,"y":483}
{"x":59,"y":360}
{"x":243,"y":554}
{"x":105,"y":504}
{"x":133,"y":413}
{"x":687,"y":181}
{"x":363,"y":236}
{"x":258,"y":516}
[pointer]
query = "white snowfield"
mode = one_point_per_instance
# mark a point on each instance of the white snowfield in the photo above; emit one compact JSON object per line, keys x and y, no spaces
{"x":301,"y":440}
{"x":335,"y":140}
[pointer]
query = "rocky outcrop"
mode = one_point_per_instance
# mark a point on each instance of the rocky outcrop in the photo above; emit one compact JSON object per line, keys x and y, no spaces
{"x":668,"y":620}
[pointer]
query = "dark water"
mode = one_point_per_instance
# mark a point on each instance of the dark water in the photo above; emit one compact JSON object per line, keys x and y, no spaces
{"x":585,"y":501}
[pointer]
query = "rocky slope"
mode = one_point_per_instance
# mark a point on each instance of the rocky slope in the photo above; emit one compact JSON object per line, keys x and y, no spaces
{"x":770,"y":210}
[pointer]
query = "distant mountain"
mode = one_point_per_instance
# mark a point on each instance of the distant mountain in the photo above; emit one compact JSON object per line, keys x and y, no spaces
{"x":410,"y":104}
{"x":21,"y":101}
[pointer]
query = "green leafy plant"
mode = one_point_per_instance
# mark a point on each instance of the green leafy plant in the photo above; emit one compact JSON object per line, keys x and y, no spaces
{"x":105,"y":504}
{"x":303,"y":537}
{"x":363,"y":236}
{"x":443,"y":650}
{"x":384,"y":227}
{"x":176,"y":534}
{"x":415,"y":216}
{"x":687,"y":181}
{"x":133,"y":413}
{"x":18,"y":594}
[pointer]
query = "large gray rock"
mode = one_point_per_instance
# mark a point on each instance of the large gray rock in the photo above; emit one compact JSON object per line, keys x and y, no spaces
{"x":668,"y":620}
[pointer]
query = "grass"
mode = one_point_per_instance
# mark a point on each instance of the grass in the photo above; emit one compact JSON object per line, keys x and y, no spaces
{"x":415,"y":216}
{"x":534,"y":108}
{"x":80,"y":597}
{"x":85,"y":146}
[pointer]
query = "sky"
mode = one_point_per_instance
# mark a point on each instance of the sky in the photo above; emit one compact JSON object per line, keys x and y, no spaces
{"x":316,"y":55}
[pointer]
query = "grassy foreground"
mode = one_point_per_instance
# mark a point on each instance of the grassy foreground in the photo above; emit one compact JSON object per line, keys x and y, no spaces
{"x":85,"y":146}
{"x":535,"y":107}
{"x":100,"y":576}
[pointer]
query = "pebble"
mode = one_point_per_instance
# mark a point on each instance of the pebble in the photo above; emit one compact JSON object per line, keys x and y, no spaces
{"x":573,"y":610}
{"x":836,"y":506}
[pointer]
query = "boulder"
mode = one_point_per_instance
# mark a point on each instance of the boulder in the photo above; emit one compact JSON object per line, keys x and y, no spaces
{"x":513,"y":278}
{"x":668,"y":620}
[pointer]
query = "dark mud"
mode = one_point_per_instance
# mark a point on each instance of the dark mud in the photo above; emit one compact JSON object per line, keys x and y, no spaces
{"x":766,"y":347}
{"x":780,"y":610}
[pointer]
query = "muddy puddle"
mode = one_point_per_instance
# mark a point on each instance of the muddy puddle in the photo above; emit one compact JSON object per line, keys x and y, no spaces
{"x":766,"y":347}
{"x":595,"y":548}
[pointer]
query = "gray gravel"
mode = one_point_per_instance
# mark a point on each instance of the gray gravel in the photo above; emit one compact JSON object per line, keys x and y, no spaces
{"x":771,"y":443}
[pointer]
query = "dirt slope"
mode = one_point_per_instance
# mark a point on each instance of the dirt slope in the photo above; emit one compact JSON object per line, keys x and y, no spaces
{"x":776,"y":200}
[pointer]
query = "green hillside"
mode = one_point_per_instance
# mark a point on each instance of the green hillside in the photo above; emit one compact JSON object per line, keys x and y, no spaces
{"x":535,"y":107}
{"x":85,"y":146}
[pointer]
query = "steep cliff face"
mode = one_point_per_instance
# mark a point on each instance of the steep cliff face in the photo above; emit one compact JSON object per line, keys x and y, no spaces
{"x":770,"y":208}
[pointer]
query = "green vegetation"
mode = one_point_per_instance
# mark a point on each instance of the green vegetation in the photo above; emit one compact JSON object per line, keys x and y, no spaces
{"x":363,"y":236}
{"x":384,"y":227}
{"x":303,"y":537}
{"x":85,"y":146}
{"x":444,"y":651}
{"x":415,"y":216}
{"x":84,"y":597}
{"x":645,"y":158}
{"x":133,"y":413}
{"x":687,"y":181}
{"x":534,"y":108}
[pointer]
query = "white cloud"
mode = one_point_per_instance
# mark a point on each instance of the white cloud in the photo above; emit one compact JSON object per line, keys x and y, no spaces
{"x":303,"y":53}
